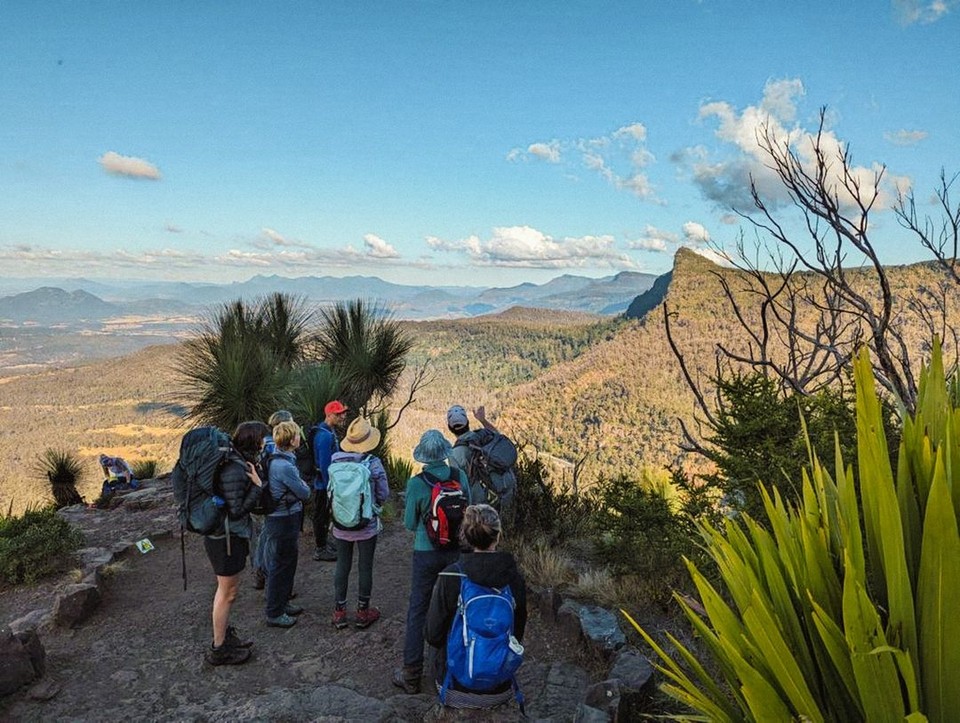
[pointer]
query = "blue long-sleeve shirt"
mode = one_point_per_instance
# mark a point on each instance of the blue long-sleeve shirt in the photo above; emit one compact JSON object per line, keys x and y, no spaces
{"x":325,"y":443}
{"x":286,"y":485}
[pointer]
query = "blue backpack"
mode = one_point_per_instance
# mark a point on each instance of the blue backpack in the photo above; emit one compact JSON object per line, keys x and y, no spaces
{"x":482,"y":653}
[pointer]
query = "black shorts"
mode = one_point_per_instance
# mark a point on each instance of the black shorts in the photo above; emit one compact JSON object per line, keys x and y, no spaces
{"x":227,"y":565}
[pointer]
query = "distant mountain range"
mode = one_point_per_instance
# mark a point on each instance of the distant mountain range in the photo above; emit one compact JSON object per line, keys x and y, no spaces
{"x":72,"y":301}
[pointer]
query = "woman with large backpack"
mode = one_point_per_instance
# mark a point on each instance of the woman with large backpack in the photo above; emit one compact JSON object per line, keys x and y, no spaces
{"x":363,"y":527}
{"x":438,"y":488}
{"x":477,"y":578}
{"x":228,"y":545}
{"x":282,"y":526}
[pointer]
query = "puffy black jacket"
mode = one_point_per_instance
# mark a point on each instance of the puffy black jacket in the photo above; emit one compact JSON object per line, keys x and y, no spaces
{"x":239,"y":493}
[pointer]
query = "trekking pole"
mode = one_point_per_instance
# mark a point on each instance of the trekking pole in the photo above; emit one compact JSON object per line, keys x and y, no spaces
{"x":183,"y":559}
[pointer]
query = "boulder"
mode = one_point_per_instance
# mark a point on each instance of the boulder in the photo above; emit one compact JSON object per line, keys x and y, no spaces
{"x":605,"y":696}
{"x":564,"y":688}
{"x":22,"y":660}
{"x":145,"y":499}
{"x":637,"y":683}
{"x":568,"y":620}
{"x":30,"y":621}
{"x":75,"y":604}
{"x":602,"y":630}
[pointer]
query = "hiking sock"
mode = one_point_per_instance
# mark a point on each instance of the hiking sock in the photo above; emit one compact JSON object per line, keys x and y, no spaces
{"x":362,"y":603}
{"x":341,"y":605}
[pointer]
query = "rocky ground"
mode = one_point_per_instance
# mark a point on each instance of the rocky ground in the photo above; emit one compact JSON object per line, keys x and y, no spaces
{"x":139,"y":657}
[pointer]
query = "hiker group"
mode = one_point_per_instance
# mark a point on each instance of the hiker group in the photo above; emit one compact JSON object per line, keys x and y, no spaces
{"x":246,"y":495}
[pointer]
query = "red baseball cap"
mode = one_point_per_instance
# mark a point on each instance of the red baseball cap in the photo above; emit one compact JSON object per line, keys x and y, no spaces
{"x":334,"y":407}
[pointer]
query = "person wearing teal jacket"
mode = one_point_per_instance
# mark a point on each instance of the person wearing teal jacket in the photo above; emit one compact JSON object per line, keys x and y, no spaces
{"x":432,"y":451}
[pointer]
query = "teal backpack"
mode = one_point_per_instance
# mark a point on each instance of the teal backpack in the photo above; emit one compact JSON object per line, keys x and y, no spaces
{"x":351,"y":494}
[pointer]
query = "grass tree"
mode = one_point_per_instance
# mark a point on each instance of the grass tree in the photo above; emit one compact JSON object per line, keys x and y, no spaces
{"x":367,"y":348}
{"x":62,"y":470}
{"x":240,"y":363}
{"x":841,"y":608}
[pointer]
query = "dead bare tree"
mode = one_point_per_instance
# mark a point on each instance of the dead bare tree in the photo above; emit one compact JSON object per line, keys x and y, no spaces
{"x":806,"y":303}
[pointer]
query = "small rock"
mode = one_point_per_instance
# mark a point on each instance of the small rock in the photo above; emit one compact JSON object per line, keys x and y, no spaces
{"x":76,"y":604}
{"x":586,"y":714}
{"x":125,"y":677}
{"x":549,"y":602}
{"x":44,"y":690}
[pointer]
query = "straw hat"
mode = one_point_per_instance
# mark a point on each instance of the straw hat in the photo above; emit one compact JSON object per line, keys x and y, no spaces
{"x":361,"y":436}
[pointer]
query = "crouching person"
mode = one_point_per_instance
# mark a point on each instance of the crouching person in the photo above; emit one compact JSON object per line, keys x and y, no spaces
{"x":479,"y":641}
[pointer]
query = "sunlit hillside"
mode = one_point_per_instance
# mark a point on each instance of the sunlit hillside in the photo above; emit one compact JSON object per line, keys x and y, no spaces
{"x":617,"y":406}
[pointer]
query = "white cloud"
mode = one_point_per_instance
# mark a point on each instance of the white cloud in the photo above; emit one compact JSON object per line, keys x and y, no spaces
{"x":695,"y":233}
{"x":275,"y":236}
{"x":128,"y":166}
{"x":526,"y":247}
{"x":636,"y":131}
{"x":172,"y":228}
{"x":378,"y":248}
{"x":618,"y":158}
{"x":727,"y":180}
{"x":654,"y":239}
{"x":546,"y":151}
{"x":716,"y":257}
{"x":903,"y":137}
{"x":270,"y":238}
{"x":922,"y":11}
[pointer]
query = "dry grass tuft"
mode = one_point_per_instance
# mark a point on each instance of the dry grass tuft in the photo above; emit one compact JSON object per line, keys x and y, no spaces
{"x":543,"y":565}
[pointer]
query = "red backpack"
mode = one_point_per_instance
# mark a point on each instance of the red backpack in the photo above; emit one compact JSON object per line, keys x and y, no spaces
{"x":447,"y":505}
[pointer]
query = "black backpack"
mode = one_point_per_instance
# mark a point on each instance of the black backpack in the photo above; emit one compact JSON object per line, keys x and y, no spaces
{"x":306,"y":461}
{"x":195,"y":479}
{"x":492,"y":461}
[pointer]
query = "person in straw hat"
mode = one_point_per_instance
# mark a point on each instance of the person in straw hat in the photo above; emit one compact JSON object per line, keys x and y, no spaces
{"x":361,"y":439}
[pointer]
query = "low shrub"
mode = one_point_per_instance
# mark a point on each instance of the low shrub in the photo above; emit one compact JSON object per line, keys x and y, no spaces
{"x":637,"y":533}
{"x":35,"y":544}
{"x":398,"y":470}
{"x":145,"y":468}
{"x":542,"y":510}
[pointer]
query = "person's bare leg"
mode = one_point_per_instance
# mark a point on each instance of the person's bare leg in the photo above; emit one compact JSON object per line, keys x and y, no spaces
{"x":222,"y":601}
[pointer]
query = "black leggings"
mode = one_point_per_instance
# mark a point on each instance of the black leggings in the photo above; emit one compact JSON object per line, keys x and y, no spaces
{"x":341,"y":575}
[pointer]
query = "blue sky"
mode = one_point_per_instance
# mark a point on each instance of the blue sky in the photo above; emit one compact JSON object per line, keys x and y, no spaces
{"x":474,"y":143}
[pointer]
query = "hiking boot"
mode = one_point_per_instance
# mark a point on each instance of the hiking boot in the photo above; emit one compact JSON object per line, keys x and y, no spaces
{"x":234,"y":640}
{"x":408,"y":679}
{"x":292,"y":610}
{"x":325,"y":554}
{"x":339,"y":620}
{"x":259,"y":579}
{"x":282,"y":621}
{"x":367,"y":617}
{"x":226,"y":655}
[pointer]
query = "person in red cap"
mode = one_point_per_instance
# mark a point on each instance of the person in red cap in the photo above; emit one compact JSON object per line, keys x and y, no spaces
{"x":325,"y":443}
